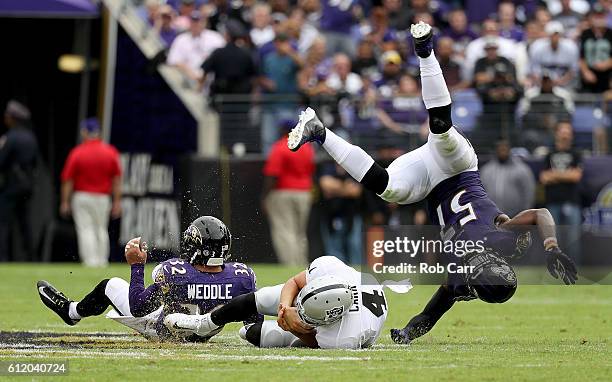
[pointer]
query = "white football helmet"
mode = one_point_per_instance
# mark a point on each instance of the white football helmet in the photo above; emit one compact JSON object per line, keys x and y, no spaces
{"x":324,"y":300}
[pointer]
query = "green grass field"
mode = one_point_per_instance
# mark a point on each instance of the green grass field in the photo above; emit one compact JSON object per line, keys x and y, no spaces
{"x":554,"y":333}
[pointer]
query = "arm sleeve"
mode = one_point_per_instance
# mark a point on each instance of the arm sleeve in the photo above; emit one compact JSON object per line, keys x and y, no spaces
{"x":143,"y":301}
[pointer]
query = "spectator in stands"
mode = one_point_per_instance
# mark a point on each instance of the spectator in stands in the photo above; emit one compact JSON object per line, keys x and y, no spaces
{"x":235,"y":72}
{"x":542,"y":108}
{"x":91,"y":176}
{"x":399,"y":19}
{"x":561,"y":175}
{"x":391,"y":71}
{"x":190,"y":49}
{"x":341,"y":225}
{"x":404,"y":111}
{"x":365,"y":63}
{"x":301,"y":31}
{"x":506,"y":12}
{"x":533,"y":32}
{"x":337,"y":19}
{"x":18,"y":159}
{"x":183,"y":21}
{"x":286,"y":198}
{"x":556,"y":55}
{"x":311,"y":79}
{"x":450,"y":68}
{"x":508,"y":181}
{"x":459,"y":31}
{"x":279,"y":81}
{"x":542,"y":16}
{"x":507,"y":48}
{"x":151,"y":11}
{"x":569,"y":18}
{"x":496,"y":84}
{"x":262,"y":31}
{"x":164,"y":24}
{"x":342,"y":80}
{"x":596,"y":53}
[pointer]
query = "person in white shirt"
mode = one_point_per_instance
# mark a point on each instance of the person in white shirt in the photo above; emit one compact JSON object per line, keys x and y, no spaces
{"x":190,"y":49}
{"x":555,"y":55}
{"x":342,"y":80}
{"x":262,"y":31}
{"x":513,"y":51}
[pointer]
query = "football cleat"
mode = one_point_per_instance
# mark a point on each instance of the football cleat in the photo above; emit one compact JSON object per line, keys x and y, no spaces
{"x":399,"y":336}
{"x":308,"y":129}
{"x":422,"y":35}
{"x":56,"y":301}
{"x":200,"y":324}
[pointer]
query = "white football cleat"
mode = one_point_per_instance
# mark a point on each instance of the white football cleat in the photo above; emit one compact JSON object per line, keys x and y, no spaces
{"x":308,"y":129}
{"x":200,"y":324}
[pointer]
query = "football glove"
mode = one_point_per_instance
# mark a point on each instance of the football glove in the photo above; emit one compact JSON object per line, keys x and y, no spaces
{"x":561,"y":266}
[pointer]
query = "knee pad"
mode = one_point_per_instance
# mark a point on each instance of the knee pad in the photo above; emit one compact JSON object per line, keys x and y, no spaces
{"x":491,"y":279}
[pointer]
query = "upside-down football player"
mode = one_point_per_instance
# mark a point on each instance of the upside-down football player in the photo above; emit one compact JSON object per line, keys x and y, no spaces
{"x":197,"y":282}
{"x":444,"y":171}
{"x":326,"y":306}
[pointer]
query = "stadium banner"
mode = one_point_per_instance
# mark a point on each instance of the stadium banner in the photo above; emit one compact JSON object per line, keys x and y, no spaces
{"x":149,"y":205}
{"x":425,"y":254}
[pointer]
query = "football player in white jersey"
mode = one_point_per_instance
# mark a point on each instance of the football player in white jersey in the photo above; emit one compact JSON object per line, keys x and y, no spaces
{"x":330,"y":305}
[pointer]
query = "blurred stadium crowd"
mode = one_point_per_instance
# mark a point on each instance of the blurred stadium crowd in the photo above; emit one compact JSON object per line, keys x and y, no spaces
{"x":352,"y":60}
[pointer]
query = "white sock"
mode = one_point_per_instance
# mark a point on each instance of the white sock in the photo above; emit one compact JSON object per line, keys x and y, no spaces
{"x":435,"y":92}
{"x":72,"y":311}
{"x":352,"y":158}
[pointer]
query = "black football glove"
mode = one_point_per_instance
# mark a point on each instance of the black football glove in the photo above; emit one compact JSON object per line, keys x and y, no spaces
{"x":561,"y":266}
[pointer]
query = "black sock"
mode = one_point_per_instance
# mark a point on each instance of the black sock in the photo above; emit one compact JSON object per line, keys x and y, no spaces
{"x":440,"y":120}
{"x":253,"y":334}
{"x":241,"y":308}
{"x":96,"y":302}
{"x":422,"y":323}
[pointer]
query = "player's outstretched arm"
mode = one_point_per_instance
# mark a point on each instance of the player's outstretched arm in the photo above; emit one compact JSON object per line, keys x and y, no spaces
{"x":560,"y":265}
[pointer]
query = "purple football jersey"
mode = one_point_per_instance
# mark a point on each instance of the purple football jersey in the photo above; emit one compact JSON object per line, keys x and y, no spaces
{"x":462,"y":207}
{"x":187,"y":290}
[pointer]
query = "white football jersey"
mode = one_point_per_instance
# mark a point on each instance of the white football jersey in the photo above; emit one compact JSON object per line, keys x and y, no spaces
{"x":361,"y":326}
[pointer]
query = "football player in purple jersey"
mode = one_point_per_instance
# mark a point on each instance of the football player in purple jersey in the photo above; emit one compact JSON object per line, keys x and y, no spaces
{"x":444,"y":171}
{"x":198,"y":281}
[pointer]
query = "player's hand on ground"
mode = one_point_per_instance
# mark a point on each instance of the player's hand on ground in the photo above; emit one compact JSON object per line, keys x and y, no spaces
{"x":561,"y":266}
{"x":136,"y":251}
{"x":290,"y":321}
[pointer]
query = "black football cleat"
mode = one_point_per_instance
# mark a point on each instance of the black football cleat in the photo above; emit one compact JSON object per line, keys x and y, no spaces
{"x":56,"y":301}
{"x":422,"y":35}
{"x":399,"y":336}
{"x":309,"y":129}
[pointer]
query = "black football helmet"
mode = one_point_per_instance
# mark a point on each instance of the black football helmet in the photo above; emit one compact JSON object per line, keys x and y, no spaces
{"x":207,"y":241}
{"x":492,"y":280}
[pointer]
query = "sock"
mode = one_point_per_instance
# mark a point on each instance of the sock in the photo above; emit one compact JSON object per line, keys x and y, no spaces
{"x":72,"y":311}
{"x":422,"y":323}
{"x":241,"y":308}
{"x":352,"y":158}
{"x":95,"y":303}
{"x":435,"y":92}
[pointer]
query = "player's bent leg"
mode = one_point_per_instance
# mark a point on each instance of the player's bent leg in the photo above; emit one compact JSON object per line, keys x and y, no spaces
{"x":409,"y":180}
{"x":268,"y":334}
{"x":267,"y":300}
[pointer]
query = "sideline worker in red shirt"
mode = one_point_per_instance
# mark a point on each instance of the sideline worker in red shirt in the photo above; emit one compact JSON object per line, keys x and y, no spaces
{"x":92,"y":173}
{"x":286,"y":198}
